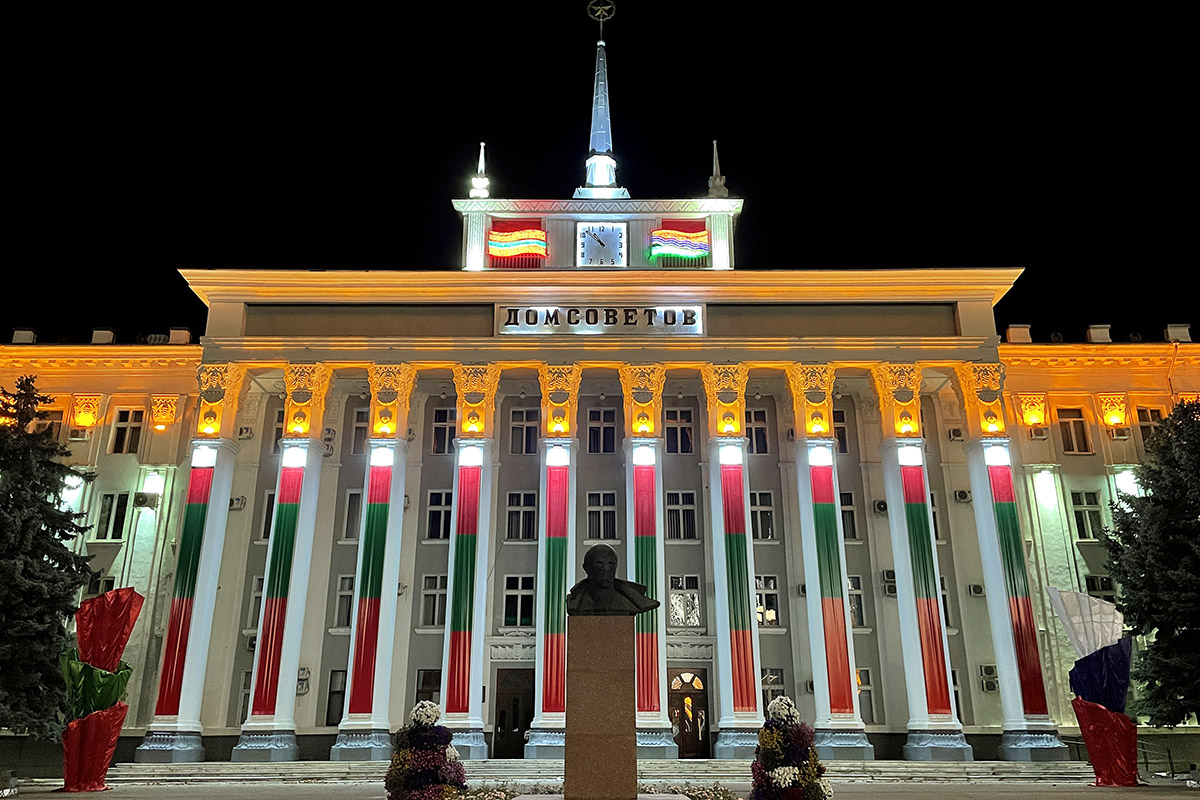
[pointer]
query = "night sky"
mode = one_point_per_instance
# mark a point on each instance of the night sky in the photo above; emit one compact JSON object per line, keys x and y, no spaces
{"x":902,"y":138}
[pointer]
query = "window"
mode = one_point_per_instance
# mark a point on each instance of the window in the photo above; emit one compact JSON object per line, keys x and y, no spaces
{"x":849,"y":529}
{"x":127,"y":430}
{"x":602,"y":515}
{"x":445,"y":424}
{"x":1101,"y":586}
{"x":762,"y":517}
{"x":433,"y":600}
{"x":1148,"y":421}
{"x":679,"y":430}
{"x":1086,"y":506}
{"x":522,"y":516}
{"x":439,"y":515}
{"x":602,"y":430}
{"x":858,"y":612}
{"x":337,"y":697}
{"x":768,"y":599}
{"x":278,"y":434}
{"x":344,"y":602}
{"x":756,"y":430}
{"x":866,"y":700}
{"x":681,"y":515}
{"x":1074,"y":430}
{"x":945,"y":602}
{"x":429,"y":685}
{"x":244,"y":703}
{"x":353,"y":515}
{"x":518,"y":601}
{"x":840,"y":431}
{"x":255,"y":609}
{"x":49,"y":420}
{"x":524,"y":431}
{"x":772,"y":685}
{"x":99,"y":583}
{"x":362,"y":426}
{"x":933,"y":514}
{"x":110,"y":523}
{"x":957,"y":693}
{"x":268,"y":512}
{"x":685,"y":601}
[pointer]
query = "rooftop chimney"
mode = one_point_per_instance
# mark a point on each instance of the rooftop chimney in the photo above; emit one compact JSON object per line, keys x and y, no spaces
{"x":1098,"y":334}
{"x":180,"y":336}
{"x":1178,"y":333}
{"x":24,"y":336}
{"x":1018,"y":334}
{"x":103,"y":336}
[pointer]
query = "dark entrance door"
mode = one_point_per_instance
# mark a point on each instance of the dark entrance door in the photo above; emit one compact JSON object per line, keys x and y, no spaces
{"x":514,"y":712}
{"x":687,"y":704}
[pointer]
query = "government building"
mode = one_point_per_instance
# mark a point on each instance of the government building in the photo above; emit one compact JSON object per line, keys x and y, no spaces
{"x":365,"y":489}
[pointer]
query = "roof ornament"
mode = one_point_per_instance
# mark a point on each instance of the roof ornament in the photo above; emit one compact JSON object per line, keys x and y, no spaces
{"x":601,"y":10}
{"x":479,"y":183}
{"x":601,"y":176}
{"x":716,"y":183}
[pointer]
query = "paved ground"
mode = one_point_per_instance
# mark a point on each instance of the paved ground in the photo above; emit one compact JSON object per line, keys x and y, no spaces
{"x":374,"y":791}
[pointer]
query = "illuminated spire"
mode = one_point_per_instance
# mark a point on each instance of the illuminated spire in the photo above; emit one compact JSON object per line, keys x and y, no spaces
{"x":716,"y":183}
{"x":479,"y":184}
{"x":601,"y":180}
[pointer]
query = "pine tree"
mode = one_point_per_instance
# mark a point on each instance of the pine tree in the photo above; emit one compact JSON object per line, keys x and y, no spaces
{"x":1154,"y":556}
{"x":39,"y":574}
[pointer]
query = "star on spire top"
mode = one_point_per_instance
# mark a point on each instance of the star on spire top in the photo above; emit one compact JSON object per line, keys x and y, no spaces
{"x":479,"y":183}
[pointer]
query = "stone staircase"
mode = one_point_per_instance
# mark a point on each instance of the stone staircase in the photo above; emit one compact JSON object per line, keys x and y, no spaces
{"x":733,"y":774}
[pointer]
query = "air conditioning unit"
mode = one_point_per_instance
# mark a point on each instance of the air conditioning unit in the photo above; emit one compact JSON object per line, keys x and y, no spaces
{"x":329,"y":435}
{"x":251,"y":643}
{"x":1038,"y":433}
{"x":802,"y":589}
{"x":955,"y":434}
{"x":962,"y":496}
{"x":975,"y":590}
{"x":990,"y":685}
{"x":79,"y":434}
{"x":237,"y":503}
{"x":1120,"y":433}
{"x":327,"y":449}
{"x":810,"y":687}
{"x":879,"y":506}
{"x":988,"y":671}
{"x":889,"y":582}
{"x":245,"y":433}
{"x":145,"y":500}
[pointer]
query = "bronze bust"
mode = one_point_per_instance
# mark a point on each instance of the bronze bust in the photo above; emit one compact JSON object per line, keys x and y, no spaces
{"x":602,"y":593}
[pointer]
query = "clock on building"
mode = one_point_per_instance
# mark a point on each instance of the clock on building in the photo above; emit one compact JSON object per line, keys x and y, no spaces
{"x":601,"y":244}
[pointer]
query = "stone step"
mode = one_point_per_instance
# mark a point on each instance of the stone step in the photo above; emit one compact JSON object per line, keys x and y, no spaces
{"x":546,"y":771}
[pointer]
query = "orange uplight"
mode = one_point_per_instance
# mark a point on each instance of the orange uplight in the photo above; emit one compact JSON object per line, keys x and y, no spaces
{"x":991,"y":422}
{"x":383,"y":424}
{"x":728,"y":423}
{"x":643,"y":422}
{"x":558,"y":422}
{"x":1034,"y":418}
{"x":1115,"y":418}
{"x":906,"y":422}
{"x":299,"y":422}
{"x":816,"y":423}
{"x":209,"y":425}
{"x":473,"y":422}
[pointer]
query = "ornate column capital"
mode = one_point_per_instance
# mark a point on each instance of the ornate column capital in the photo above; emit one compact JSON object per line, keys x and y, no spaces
{"x":812,"y":398}
{"x":85,"y":410}
{"x":220,"y":393}
{"x":1033,"y":409}
{"x":1114,"y":409}
{"x":560,"y":397}
{"x":163,"y":409}
{"x":980,"y":388}
{"x":642,"y":387}
{"x":725,"y":389}
{"x":476,"y":388}
{"x":391,"y":392}
{"x":306,"y":386}
{"x":898,"y":387}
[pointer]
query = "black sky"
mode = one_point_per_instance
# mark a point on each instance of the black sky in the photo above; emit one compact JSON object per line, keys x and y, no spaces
{"x":901,"y":138}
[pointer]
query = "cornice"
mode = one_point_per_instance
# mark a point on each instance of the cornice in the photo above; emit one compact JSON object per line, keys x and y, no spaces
{"x":596,"y":286}
{"x":101,"y":358}
{"x":1158,"y":354}
{"x":700,"y":205}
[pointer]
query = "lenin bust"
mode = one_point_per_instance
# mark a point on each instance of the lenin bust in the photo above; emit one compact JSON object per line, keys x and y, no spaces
{"x":602,"y":593}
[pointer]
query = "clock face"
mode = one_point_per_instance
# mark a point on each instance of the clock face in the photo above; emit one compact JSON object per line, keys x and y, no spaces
{"x":601,"y":244}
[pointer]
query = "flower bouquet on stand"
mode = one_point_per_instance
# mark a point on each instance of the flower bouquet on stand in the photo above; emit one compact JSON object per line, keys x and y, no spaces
{"x":785,"y":765}
{"x":425,"y":765}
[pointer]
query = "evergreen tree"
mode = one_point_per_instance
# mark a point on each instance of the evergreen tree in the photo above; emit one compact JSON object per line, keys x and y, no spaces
{"x":39,"y":574}
{"x":1154,"y":555}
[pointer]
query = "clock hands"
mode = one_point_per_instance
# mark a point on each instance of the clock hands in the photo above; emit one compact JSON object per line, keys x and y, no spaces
{"x":599,"y":241}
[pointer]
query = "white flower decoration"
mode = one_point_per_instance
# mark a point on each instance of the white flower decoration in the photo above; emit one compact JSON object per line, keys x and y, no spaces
{"x":782,"y":709}
{"x":425,"y":713}
{"x":451,"y":753}
{"x":784,"y":777}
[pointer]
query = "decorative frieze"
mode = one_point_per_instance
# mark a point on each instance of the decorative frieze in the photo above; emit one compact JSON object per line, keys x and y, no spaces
{"x":163,"y":409}
{"x":689,"y":651}
{"x":1114,"y":411}
{"x":85,"y":410}
{"x":1033,"y":409}
{"x":517,"y":651}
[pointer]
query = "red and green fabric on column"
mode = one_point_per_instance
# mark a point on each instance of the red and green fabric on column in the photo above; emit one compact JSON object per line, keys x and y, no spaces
{"x":741,"y":600}
{"x":645,"y":543}
{"x":462,"y":602}
{"x":370,"y":582}
{"x":179,"y":623}
{"x":926,"y":589}
{"x":829,"y":567}
{"x":279,"y":578}
{"x":1016,"y":584}
{"x":554,"y":645}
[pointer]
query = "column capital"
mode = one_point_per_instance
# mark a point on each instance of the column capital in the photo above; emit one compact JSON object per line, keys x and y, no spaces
{"x":220,"y":392}
{"x":391,"y":390}
{"x":812,"y":398}
{"x":560,"y":397}
{"x":1032,"y":408}
{"x":476,"y":387}
{"x":980,"y":388}
{"x":1114,"y":409}
{"x":725,"y":389}
{"x":642,"y":385}
{"x":899,"y":389}
{"x":304,"y":409}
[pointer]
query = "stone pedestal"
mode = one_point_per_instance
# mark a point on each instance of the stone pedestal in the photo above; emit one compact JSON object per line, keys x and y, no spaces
{"x":601,"y":746}
{"x":1032,"y":746}
{"x":169,"y":747}
{"x":937,"y":746}
{"x":833,"y":745}
{"x":362,"y":746}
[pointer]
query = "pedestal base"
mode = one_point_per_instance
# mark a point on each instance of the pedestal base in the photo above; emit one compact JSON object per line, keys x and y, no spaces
{"x":1032,"y":746}
{"x":656,"y":744}
{"x":169,"y":747}
{"x":601,"y":746}
{"x":844,"y":746}
{"x":469,"y":744}
{"x":267,"y":746}
{"x":546,"y":744}
{"x":362,"y":746}
{"x":937,"y":746}
{"x":735,"y":744}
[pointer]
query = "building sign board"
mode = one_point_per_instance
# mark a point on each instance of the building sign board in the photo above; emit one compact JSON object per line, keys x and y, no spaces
{"x":623,"y":320}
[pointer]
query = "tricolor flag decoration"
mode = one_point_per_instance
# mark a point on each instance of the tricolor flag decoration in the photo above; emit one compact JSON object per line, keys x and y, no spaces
{"x":462,"y":600}
{"x":646,"y":573}
{"x":681,"y":244}
{"x":554,"y":674}
{"x":526,"y":242}
{"x":741,"y":600}
{"x":833,"y":611}
{"x":370,"y":583}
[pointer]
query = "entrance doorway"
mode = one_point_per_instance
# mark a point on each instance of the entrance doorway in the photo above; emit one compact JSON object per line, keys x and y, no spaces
{"x":514,"y":712}
{"x":687,"y":705}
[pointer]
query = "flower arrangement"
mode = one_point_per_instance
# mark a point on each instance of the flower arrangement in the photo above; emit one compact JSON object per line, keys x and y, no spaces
{"x":425,"y":766}
{"x":785,"y":765}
